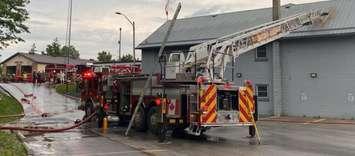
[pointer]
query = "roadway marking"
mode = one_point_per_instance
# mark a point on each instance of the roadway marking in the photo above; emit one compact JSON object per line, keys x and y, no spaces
{"x":314,"y":121}
{"x":319,"y":120}
{"x":123,"y":152}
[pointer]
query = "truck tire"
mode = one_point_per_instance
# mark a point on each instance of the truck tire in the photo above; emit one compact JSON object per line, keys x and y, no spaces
{"x":179,"y":133}
{"x":139,"y":122}
{"x":153,"y":120}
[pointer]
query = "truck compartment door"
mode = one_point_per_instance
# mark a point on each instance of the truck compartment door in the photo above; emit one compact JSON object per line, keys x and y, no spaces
{"x":227,"y":107}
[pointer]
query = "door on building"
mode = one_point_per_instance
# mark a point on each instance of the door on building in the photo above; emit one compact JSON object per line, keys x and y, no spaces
{"x":10,"y":70}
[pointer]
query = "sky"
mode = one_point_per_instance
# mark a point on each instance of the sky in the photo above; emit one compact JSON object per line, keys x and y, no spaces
{"x":95,"y":26}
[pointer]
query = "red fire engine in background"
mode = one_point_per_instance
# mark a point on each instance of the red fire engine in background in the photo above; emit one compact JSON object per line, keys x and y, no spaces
{"x":189,"y":105}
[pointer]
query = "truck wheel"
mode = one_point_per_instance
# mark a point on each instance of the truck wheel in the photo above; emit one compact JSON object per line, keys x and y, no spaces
{"x":179,"y":133}
{"x":139,"y":121}
{"x":251,"y":131}
{"x":153,"y":120}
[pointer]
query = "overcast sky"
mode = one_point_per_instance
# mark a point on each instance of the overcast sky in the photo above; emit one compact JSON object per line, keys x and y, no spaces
{"x":95,"y":26}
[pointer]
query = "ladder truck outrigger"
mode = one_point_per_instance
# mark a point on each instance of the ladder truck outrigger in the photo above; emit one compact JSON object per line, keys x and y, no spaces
{"x":189,"y":94}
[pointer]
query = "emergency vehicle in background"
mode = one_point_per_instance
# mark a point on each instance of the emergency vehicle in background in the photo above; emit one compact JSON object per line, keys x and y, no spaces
{"x":188,"y":94}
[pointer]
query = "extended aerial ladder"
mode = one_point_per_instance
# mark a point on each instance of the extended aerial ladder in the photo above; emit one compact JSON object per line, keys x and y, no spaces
{"x":206,"y":64}
{"x":214,"y":55}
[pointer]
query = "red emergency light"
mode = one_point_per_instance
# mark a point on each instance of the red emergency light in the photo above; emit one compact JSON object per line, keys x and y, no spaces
{"x":158,"y":101}
{"x":88,"y":74}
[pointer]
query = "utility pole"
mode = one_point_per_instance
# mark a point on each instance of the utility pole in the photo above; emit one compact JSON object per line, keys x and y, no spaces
{"x":276,"y":65}
{"x":134,"y":44}
{"x":276,"y":10}
{"x":120,"y":45}
{"x":68,"y":37}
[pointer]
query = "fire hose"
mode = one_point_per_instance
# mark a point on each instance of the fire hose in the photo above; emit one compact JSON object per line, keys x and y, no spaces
{"x":54,"y":130}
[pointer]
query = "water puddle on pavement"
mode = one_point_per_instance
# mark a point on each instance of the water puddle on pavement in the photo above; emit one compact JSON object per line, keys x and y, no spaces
{"x":61,"y":112}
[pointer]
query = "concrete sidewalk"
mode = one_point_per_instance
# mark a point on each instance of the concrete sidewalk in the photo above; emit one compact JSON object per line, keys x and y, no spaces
{"x":305,"y":120}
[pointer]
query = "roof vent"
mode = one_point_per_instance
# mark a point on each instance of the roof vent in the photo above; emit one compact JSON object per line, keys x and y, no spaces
{"x":289,"y":5}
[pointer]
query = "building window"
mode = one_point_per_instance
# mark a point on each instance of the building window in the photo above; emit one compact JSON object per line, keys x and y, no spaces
{"x":261,"y":54}
{"x":262,"y":92}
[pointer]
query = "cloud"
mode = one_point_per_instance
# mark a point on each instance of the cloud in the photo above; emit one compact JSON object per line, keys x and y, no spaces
{"x":95,"y":26}
{"x":40,"y":23}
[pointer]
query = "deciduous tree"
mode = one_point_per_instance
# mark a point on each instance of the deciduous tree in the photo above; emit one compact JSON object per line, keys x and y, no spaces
{"x":73,"y":53}
{"x":126,"y":58}
{"x":56,"y":49}
{"x":104,"y":56}
{"x":13,"y":14}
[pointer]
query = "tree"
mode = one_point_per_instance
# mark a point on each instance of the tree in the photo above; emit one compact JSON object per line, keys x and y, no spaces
{"x":73,"y":53}
{"x":13,"y":14}
{"x":54,"y":49}
{"x":126,"y":58}
{"x":33,"y":49}
{"x":104,"y":56}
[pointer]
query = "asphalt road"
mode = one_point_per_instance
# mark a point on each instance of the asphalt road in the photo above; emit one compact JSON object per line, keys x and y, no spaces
{"x":62,"y":112}
{"x":278,"y":139}
{"x":284,"y":139}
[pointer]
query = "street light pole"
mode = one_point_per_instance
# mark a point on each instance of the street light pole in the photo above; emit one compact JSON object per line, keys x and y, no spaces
{"x":134,"y":35}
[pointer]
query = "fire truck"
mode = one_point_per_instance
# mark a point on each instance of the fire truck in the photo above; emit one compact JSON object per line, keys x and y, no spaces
{"x":188,"y":94}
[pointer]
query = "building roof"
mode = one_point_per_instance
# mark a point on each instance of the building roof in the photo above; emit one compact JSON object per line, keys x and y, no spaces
{"x":45,"y":59}
{"x":195,"y":30}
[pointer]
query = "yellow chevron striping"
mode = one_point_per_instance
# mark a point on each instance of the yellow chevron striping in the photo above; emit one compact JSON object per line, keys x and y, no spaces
{"x":249,"y":91}
{"x":213,"y":105}
{"x":242,"y":118}
{"x":210,"y":94}
{"x":243,"y":106}
{"x":212,"y":118}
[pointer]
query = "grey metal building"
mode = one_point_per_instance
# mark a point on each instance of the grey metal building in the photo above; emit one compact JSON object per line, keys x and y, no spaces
{"x":311,"y":72}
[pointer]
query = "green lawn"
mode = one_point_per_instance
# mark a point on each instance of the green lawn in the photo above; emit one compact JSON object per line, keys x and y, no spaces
{"x":72,"y":89}
{"x":10,"y":145}
{"x":9,"y":106}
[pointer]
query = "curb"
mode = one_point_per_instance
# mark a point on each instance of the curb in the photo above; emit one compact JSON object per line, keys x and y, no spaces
{"x":307,"y":122}
{"x":9,"y":116}
{"x":66,"y":95}
{"x":72,"y":97}
{"x":22,"y":138}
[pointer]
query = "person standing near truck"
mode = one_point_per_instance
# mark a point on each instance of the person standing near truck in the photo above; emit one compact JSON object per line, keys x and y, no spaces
{"x":34,"y":77}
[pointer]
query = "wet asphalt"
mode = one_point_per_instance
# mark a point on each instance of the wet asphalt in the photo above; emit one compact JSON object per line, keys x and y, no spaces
{"x":278,"y":139}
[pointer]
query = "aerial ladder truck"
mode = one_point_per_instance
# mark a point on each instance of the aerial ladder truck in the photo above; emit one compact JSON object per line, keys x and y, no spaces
{"x":190,"y":94}
{"x":208,"y":61}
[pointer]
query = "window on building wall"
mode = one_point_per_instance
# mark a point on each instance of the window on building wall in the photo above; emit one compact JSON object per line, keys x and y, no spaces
{"x":262,"y":92}
{"x":261,"y":54}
